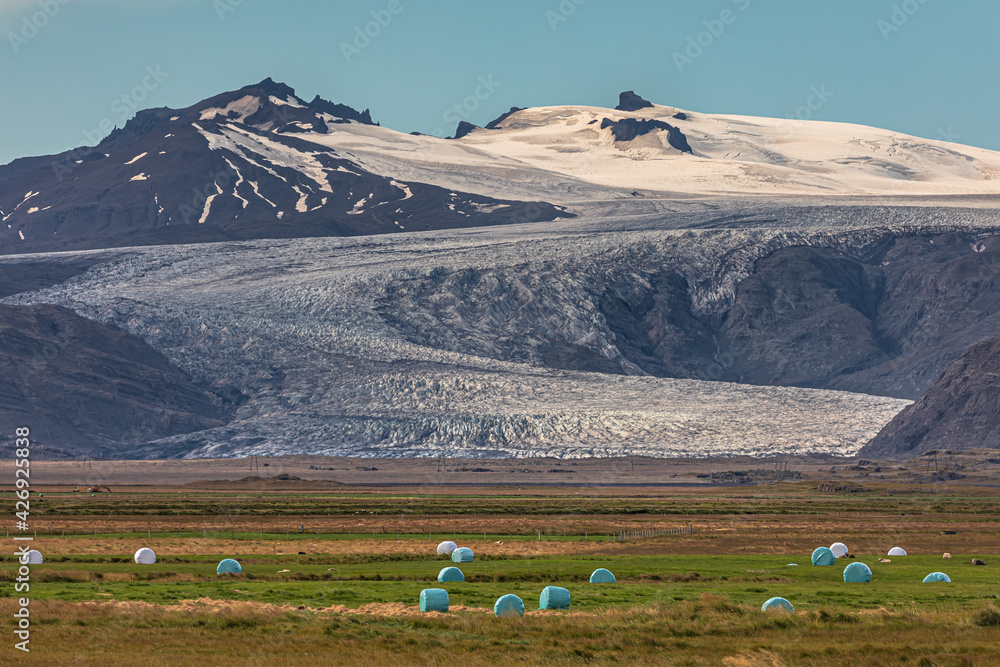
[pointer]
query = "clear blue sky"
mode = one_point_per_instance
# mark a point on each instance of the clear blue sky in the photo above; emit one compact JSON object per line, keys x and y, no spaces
{"x":936,"y":75}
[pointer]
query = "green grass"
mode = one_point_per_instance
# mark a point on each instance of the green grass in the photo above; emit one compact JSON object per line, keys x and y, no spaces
{"x":665,"y":609}
{"x":318,"y":580}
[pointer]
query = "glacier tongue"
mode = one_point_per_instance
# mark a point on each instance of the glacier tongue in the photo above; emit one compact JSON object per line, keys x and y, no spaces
{"x":301,"y":328}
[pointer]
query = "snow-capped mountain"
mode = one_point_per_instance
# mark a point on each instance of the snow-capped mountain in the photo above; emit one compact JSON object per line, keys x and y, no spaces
{"x":716,"y":285}
{"x":239,"y":165}
{"x":572,"y":155}
{"x":261,"y":163}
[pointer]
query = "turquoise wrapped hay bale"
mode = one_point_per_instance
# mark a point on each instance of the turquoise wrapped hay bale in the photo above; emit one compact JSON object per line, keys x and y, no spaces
{"x":778,"y":604}
{"x":462,"y":555}
{"x":553,"y":597}
{"x":229,"y":566}
{"x":602,"y":576}
{"x":508,"y":605}
{"x":937,"y":576}
{"x":434,"y":599}
{"x":450,"y":574}
{"x":857,"y":573}
{"x":823,"y":556}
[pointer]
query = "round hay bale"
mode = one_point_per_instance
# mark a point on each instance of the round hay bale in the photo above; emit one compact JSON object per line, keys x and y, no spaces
{"x":145,"y":556}
{"x":602,"y":576}
{"x":446,"y":548}
{"x":896,"y":551}
{"x":508,"y":605}
{"x":228,"y":566}
{"x":553,"y":597}
{"x":823,"y":557}
{"x":857,"y":573}
{"x":936,"y":577}
{"x":839,"y":550}
{"x":434,"y":599}
{"x":778,"y":604}
{"x":450,"y":574}
{"x":462,"y":555}
{"x":35,"y":557}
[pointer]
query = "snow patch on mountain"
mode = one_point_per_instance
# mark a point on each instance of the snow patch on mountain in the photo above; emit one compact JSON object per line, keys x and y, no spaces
{"x":244,"y":107}
{"x":208,"y":205}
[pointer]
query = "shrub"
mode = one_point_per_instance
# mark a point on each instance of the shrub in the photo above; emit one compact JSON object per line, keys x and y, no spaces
{"x":988,"y":617}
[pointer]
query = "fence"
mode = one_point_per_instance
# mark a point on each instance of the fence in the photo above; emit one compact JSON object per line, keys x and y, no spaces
{"x":638,"y":534}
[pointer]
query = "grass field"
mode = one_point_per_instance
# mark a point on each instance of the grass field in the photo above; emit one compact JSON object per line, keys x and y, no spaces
{"x":351,"y":597}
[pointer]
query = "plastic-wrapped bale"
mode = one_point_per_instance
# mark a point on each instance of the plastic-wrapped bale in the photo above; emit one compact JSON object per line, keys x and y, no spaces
{"x":450,"y":574}
{"x":145,"y":556}
{"x":839,"y":550}
{"x":857,"y":573}
{"x":433,"y":599}
{"x":823,"y":557}
{"x":778,"y":604}
{"x":937,"y":576}
{"x":35,"y":557}
{"x":553,"y":597}
{"x":602,"y":576}
{"x":897,"y":551}
{"x":462,"y":555}
{"x":228,"y":566}
{"x":508,"y":605}
{"x":447,"y":548}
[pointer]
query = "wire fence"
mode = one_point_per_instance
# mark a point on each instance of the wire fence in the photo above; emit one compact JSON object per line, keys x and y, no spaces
{"x":656,"y":532}
{"x":301,"y":533}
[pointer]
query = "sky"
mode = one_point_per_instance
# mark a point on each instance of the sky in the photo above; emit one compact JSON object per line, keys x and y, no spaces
{"x":923,"y":67}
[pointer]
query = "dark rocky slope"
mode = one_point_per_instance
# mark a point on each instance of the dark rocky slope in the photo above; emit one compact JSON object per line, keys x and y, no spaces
{"x":82,"y":386}
{"x":960,"y":411}
{"x":884,"y":320}
{"x":237,"y":166}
